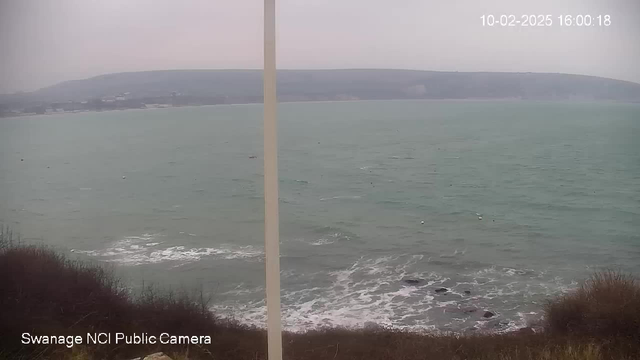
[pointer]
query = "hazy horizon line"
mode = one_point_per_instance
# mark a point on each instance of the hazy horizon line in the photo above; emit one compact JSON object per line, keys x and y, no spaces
{"x":317,"y":69}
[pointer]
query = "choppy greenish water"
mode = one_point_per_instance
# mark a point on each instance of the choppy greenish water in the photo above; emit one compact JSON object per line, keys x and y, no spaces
{"x":172,"y":196}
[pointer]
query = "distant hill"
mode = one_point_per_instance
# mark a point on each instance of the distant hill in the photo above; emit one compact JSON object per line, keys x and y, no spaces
{"x":296,"y":85}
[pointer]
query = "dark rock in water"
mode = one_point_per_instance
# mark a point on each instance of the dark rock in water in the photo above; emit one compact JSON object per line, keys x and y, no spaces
{"x":370,"y":325}
{"x":488,"y":314}
{"x":451,"y":309}
{"x":496,"y":324}
{"x":460,"y":311}
{"x":252,"y":157}
{"x":467,"y":292}
{"x":526,"y":330}
{"x":442,"y":290}
{"x":412,"y":281}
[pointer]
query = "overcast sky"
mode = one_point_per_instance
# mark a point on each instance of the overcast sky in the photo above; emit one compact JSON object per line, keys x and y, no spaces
{"x":43,"y":42}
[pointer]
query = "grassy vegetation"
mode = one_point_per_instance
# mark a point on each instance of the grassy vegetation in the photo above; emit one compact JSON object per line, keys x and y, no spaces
{"x":44,"y":293}
{"x":607,"y":304}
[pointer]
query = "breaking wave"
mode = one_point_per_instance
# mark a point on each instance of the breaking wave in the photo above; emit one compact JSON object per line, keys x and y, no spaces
{"x":145,"y":249}
{"x":373,"y":290}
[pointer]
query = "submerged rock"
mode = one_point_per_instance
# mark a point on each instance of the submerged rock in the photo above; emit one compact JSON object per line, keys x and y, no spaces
{"x":488,"y":314}
{"x":496,"y":324}
{"x":467,"y":292}
{"x":370,"y":325}
{"x":461,"y":311}
{"x":471,"y":329}
{"x":526,"y":330}
{"x":441,"y":290}
{"x":412,"y":281}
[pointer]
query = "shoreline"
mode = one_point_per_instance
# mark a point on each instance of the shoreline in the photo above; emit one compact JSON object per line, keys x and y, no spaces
{"x":470,"y":100}
{"x":75,"y":299}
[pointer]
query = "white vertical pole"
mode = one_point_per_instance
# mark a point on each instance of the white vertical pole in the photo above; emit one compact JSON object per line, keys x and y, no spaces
{"x":271,"y":221}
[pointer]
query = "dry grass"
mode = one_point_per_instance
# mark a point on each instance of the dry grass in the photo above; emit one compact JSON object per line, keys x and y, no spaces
{"x":43,"y":293}
{"x":606,"y":305}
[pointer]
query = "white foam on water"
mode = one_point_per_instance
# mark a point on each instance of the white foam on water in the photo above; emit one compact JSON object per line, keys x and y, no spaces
{"x":239,"y":291}
{"x":353,"y":299}
{"x":373,"y":290}
{"x":454,"y":254}
{"x":330,"y":239}
{"x":505,"y":272}
{"x":353,"y":197}
{"x":322,"y":241}
{"x":137,"y":250}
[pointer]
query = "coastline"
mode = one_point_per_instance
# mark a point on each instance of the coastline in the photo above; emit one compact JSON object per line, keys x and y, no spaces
{"x":64,"y":302}
{"x":470,"y":100}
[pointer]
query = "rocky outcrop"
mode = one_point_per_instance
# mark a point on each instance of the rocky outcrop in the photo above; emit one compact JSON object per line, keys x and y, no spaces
{"x":526,"y":330}
{"x":488,"y":314}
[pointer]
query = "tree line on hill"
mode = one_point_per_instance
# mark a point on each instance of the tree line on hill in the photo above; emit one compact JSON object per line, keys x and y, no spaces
{"x":210,"y":87}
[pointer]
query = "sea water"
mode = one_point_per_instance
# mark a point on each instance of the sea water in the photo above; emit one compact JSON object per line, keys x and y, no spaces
{"x":520,"y":202}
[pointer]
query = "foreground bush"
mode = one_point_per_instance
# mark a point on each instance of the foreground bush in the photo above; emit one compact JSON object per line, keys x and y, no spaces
{"x":606,"y":305}
{"x":44,"y":293}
